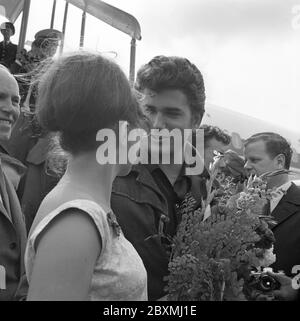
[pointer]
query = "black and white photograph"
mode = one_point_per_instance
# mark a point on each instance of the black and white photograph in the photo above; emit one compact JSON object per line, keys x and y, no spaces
{"x":150,"y":151}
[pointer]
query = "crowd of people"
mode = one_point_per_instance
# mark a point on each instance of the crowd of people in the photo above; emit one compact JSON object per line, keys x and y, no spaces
{"x":80,"y":230}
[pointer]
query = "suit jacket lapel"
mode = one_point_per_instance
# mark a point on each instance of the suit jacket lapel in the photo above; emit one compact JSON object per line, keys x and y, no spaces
{"x":17,"y":218}
{"x":288,"y":205}
{"x":4,"y":207}
{"x":12,"y":210}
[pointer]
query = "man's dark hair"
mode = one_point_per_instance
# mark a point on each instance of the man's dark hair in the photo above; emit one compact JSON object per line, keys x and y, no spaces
{"x":275,"y":145}
{"x":163,"y":73}
{"x":215,"y":132}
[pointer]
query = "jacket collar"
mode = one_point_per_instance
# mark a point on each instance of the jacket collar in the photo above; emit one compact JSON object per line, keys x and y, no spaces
{"x":6,"y":43}
{"x":4,"y":204}
{"x":138,"y":192}
{"x":197,"y":187}
{"x":144,"y":177}
{"x":17,"y":218}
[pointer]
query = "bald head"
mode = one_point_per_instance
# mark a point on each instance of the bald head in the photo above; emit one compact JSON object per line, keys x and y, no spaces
{"x":9,"y":103}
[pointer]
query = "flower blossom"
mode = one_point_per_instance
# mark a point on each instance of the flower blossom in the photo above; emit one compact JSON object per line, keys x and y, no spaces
{"x":269,"y":258}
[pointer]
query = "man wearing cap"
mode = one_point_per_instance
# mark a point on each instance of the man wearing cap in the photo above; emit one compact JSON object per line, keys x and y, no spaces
{"x":8,"y":50}
{"x":47,"y":41}
{"x":44,"y":46}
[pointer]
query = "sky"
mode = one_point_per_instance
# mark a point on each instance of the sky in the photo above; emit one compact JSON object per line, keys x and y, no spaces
{"x":247,"y":50}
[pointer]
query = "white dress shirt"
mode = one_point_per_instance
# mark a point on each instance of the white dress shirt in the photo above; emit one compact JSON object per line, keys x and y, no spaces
{"x":281,"y":189}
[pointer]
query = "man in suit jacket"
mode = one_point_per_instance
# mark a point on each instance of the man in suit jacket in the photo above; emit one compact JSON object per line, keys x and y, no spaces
{"x":12,"y":224}
{"x":8,"y":50}
{"x":270,"y":152}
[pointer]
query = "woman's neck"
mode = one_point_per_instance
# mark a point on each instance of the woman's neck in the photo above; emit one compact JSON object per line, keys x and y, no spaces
{"x":90,"y":178}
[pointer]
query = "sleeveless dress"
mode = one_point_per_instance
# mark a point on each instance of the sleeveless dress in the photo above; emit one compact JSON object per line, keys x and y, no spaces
{"x":119,"y":273}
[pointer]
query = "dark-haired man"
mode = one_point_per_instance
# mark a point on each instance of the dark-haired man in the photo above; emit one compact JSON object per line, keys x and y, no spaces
{"x":269,"y":152}
{"x":215,"y":139}
{"x":147,"y":200}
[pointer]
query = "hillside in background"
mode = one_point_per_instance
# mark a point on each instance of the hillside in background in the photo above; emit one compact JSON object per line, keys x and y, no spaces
{"x":242,"y":126}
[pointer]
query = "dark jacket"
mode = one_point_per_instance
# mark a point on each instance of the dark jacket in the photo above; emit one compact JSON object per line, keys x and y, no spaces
{"x":8,"y":54}
{"x":31,"y":150}
{"x":287,"y":231}
{"x":12,"y":243}
{"x":139,"y":204}
{"x":11,"y":166}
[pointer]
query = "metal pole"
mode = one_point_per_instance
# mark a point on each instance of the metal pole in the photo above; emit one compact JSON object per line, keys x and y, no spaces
{"x":26,"y":8}
{"x":82,"y":29}
{"x":64,"y":28}
{"x":53,"y":14}
{"x":132,"y":61}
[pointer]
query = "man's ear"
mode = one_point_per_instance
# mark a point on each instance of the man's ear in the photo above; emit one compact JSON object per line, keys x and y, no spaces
{"x":280,"y":161}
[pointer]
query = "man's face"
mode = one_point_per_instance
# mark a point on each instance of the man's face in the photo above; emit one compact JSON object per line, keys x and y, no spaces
{"x":50,"y":47}
{"x":9,"y":104}
{"x":211,"y":146}
{"x":7,"y":33}
{"x":168,"y":109}
{"x":258,"y":161}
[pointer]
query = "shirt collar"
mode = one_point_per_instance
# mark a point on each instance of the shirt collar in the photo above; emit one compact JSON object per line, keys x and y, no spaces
{"x":280,"y":190}
{"x":284,"y":187}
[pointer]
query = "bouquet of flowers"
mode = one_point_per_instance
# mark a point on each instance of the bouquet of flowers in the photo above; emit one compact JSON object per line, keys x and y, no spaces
{"x":218,"y":245}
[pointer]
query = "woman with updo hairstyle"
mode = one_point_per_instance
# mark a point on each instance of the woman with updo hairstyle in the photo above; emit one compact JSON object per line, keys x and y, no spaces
{"x":76,"y":250}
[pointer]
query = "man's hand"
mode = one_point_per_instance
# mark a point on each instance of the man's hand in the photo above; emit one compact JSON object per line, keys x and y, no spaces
{"x":286,"y":291}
